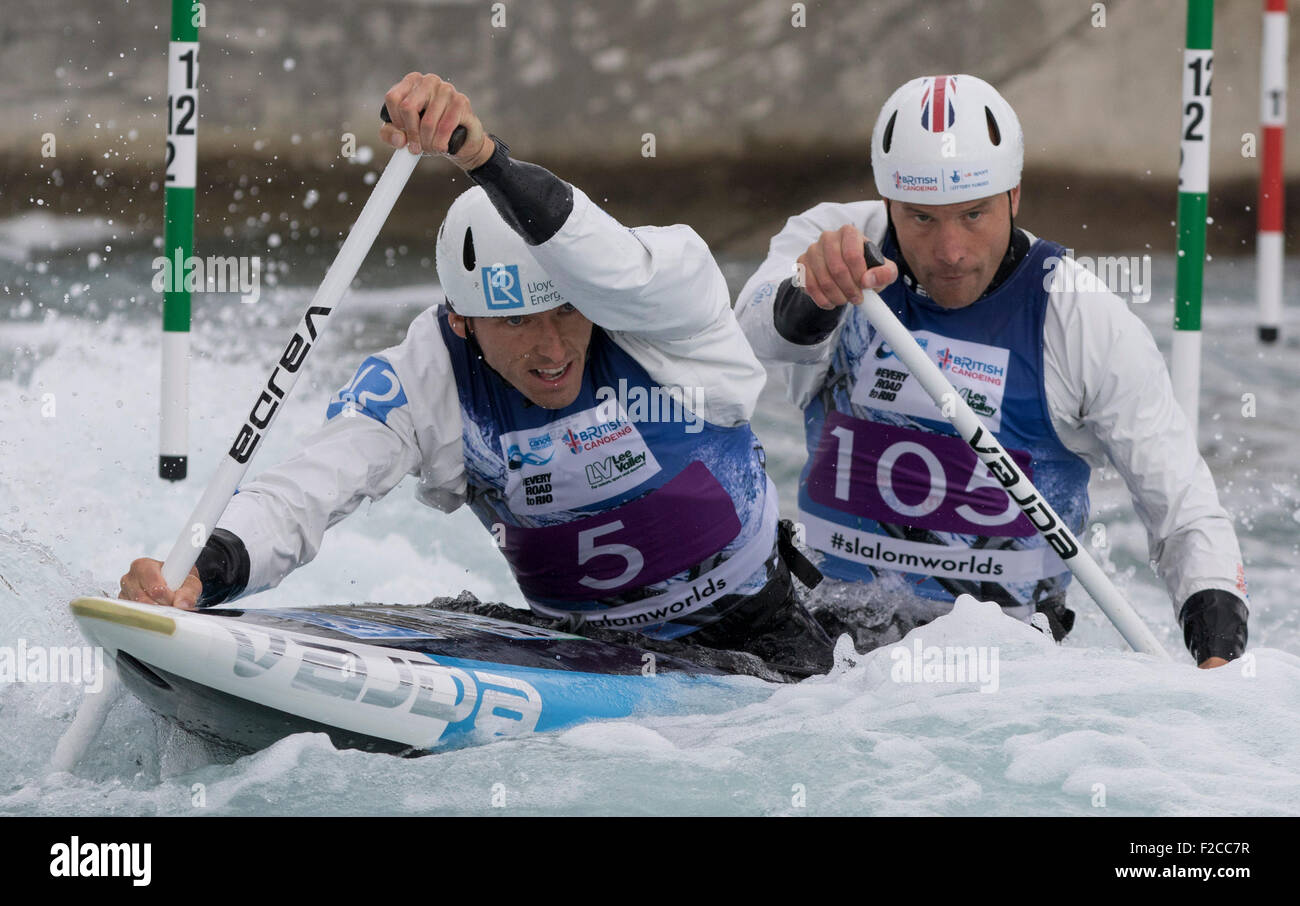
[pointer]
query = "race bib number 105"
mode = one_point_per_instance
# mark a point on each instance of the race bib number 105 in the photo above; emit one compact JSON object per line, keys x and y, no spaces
{"x":908,"y":477}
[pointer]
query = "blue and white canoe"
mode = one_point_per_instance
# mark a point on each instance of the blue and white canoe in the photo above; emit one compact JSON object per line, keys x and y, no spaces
{"x":400,"y":679}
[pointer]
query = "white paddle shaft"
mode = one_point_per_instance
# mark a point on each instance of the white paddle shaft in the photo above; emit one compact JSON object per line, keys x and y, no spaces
{"x":287,"y":369}
{"x":1009,"y":475}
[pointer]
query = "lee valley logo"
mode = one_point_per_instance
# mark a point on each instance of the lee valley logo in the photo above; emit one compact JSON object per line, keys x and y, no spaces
{"x":612,"y":468}
{"x":978,"y":402}
{"x":102,"y":860}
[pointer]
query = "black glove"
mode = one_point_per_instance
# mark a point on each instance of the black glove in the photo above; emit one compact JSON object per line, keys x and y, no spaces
{"x":1214,"y":625}
{"x":223,"y":568}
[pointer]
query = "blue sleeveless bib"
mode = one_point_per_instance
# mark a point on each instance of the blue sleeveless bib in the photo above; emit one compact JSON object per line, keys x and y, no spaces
{"x":621,"y":496}
{"x":889,"y":487}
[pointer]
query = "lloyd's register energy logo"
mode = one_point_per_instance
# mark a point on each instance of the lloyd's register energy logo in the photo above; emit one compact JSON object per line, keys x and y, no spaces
{"x":504,"y":290}
{"x":501,"y":286}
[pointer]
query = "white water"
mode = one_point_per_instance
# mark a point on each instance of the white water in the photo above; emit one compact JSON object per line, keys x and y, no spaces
{"x":1067,"y":728}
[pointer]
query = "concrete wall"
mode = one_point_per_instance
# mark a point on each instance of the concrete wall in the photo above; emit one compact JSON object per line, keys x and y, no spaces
{"x":572,"y":78}
{"x":754,"y":117}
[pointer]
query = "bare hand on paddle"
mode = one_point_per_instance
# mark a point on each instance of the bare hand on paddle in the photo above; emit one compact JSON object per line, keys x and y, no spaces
{"x":444,"y":108}
{"x":834,"y":269}
{"x":144,"y":583}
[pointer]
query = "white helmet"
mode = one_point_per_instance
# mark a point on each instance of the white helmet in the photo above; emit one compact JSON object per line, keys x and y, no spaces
{"x":944,"y":140}
{"x":485,"y":267}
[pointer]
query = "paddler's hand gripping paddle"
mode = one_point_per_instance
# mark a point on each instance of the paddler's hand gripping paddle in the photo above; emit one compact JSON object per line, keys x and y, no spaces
{"x":1017,"y":485}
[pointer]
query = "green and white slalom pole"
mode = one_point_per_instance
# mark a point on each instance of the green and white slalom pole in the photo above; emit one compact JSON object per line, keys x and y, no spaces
{"x":178,"y":239}
{"x":284,"y":375}
{"x":1272,"y":116}
{"x":178,"y":244}
{"x":288,"y":368}
{"x":1193,"y":189}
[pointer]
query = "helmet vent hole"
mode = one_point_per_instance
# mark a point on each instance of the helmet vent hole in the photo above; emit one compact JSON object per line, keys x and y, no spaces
{"x":468,"y":254}
{"x":888,"y":139}
{"x":995,"y":134}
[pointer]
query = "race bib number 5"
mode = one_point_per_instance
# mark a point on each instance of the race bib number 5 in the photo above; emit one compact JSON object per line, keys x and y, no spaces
{"x":648,"y":540}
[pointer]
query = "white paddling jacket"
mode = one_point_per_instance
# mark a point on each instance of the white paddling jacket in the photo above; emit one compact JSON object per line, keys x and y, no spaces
{"x":687,"y":480}
{"x":1106,"y":391}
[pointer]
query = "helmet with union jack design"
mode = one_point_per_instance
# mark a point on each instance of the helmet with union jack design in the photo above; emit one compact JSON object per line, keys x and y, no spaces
{"x":944,"y":140}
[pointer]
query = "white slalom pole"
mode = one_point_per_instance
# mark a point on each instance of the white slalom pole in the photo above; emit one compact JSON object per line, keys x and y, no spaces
{"x":1008,"y":474}
{"x":286,"y":371}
